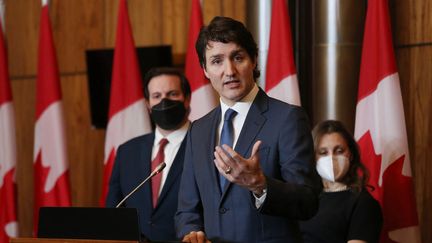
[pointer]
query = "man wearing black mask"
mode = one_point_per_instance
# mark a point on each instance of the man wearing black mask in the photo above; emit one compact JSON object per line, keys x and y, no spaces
{"x":167,"y":95}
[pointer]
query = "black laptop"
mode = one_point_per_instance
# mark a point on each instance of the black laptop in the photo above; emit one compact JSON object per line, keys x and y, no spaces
{"x":89,"y":223}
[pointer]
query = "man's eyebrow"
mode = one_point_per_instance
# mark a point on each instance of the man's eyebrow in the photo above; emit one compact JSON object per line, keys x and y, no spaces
{"x":237,"y":51}
{"x":216,"y":56}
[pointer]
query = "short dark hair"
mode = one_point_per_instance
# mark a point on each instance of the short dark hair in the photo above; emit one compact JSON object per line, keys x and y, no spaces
{"x":157,"y":71}
{"x":225,"y":30}
{"x":357,"y":176}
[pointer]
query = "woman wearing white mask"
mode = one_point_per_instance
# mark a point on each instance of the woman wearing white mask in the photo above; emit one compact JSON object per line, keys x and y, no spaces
{"x":347,"y":211}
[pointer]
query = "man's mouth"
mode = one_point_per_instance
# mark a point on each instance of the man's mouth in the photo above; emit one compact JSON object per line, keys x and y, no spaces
{"x":235,"y":81}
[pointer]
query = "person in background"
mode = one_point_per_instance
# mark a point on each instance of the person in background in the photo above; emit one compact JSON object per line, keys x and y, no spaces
{"x":248,"y":174}
{"x":347,"y":212}
{"x":167,"y":95}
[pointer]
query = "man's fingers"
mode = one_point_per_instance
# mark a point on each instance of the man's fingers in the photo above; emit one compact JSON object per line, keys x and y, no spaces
{"x":195,"y":237}
{"x":227,"y":159}
{"x":201,"y":237}
{"x":255,"y":149}
{"x":220,"y":165}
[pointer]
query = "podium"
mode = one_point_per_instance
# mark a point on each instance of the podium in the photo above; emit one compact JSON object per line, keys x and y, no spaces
{"x":46,"y":240}
{"x":86,"y":224}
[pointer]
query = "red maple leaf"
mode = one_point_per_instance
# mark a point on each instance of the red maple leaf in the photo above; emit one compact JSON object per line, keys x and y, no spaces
{"x":395,"y":195}
{"x":57,"y":196}
{"x":7,"y":203}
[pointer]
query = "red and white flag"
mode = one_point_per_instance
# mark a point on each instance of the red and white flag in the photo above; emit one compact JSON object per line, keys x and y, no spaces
{"x":51,"y":179}
{"x":281,"y":78}
{"x":128,"y":116}
{"x":380,"y":129}
{"x":204,"y":98}
{"x":8,"y":203}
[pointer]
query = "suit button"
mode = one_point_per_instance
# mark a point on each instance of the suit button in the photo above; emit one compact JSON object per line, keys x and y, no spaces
{"x":222,"y":210}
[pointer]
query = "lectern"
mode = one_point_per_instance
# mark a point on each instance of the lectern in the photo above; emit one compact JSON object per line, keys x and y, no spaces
{"x":83,"y":224}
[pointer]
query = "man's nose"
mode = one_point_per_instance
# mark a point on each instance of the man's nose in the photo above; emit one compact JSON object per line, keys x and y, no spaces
{"x":230,"y":68}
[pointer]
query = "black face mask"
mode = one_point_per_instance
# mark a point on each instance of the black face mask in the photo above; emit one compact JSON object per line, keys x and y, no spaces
{"x":168,"y":114}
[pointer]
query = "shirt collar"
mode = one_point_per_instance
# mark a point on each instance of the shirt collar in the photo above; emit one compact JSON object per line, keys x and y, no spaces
{"x":174,"y":137}
{"x":242,"y":106}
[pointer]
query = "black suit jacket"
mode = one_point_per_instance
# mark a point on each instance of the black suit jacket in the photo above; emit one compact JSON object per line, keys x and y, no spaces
{"x":132,"y":165}
{"x":286,"y":157}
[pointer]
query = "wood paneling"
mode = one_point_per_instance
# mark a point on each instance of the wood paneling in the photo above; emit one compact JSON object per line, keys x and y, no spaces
{"x":87,"y":164}
{"x":22,"y":22}
{"x":412,"y":30}
{"x":77,"y":25}
{"x":24,"y":101}
{"x":415,"y":64}
{"x":413,"y":20}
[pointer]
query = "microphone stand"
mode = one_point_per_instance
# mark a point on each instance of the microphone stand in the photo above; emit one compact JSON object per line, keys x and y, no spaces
{"x":158,"y":169}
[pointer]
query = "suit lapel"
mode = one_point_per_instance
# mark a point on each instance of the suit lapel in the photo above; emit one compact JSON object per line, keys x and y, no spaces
{"x":252,"y":125}
{"x":251,"y":128}
{"x":216,"y":117}
{"x":145,"y":167}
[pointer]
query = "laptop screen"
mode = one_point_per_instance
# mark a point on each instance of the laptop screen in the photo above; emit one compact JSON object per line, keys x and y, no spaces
{"x":89,"y":223}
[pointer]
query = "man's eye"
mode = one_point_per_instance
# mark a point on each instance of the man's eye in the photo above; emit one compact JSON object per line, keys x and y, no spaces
{"x":215,"y":61}
{"x":238,"y":58}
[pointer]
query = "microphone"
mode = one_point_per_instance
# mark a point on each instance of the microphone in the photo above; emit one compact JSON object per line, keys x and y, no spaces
{"x":156,"y":171}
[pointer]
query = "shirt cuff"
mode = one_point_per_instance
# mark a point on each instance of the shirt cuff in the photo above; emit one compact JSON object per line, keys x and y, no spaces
{"x":260,"y":200}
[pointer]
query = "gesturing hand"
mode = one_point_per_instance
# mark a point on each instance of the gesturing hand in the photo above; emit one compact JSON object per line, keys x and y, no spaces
{"x":244,"y":172}
{"x":195,"y":237}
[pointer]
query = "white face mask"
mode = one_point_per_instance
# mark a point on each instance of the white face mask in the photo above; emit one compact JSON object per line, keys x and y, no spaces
{"x":332,"y":168}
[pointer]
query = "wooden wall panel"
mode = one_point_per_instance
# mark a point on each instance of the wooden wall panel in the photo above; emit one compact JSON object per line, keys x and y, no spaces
{"x":77,"y":25}
{"x":413,"y":20}
{"x":22,"y":22}
{"x":234,"y":9}
{"x":24,"y":101}
{"x":416,"y":82}
{"x":144,"y":18}
{"x":87,"y":164}
{"x":146,"y":21}
{"x":412,"y":30}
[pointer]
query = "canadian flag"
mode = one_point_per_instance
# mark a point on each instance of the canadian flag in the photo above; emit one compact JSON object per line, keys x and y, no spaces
{"x":204,"y":98}
{"x":380,"y":129}
{"x":128,"y":115}
{"x":281,"y":78}
{"x":8,"y":206}
{"x":51,"y":180}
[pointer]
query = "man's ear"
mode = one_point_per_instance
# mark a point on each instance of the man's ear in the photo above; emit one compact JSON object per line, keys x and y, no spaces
{"x":205,"y":73}
{"x":147,"y":104}
{"x":187,"y":102}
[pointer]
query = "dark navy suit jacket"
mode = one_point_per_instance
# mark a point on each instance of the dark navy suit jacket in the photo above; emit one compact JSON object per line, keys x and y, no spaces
{"x":132,"y":165}
{"x":286,"y":157}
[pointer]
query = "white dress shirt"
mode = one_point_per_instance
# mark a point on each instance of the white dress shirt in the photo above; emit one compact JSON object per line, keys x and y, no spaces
{"x":242,"y":108}
{"x":174,"y":141}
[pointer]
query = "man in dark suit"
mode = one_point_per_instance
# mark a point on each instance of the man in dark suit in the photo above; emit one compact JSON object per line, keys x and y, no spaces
{"x":167,"y":94}
{"x":257,"y":191}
